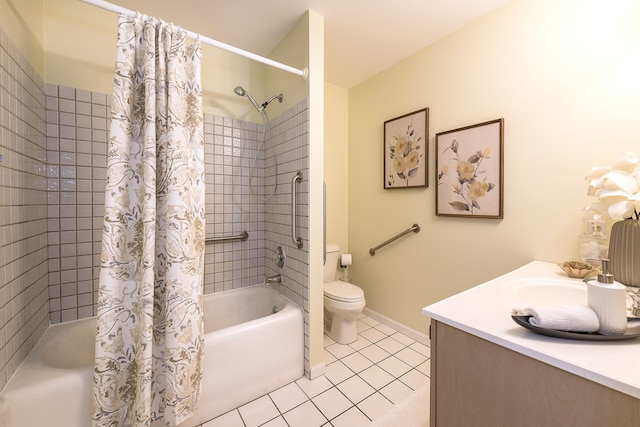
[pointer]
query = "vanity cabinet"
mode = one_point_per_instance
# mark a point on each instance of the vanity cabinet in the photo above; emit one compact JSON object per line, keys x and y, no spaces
{"x":476,"y":382}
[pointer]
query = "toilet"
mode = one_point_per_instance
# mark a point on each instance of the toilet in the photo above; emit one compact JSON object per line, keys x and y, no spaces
{"x":343,"y":301}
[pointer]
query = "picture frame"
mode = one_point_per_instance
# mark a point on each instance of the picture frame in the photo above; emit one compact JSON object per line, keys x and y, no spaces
{"x":470,"y":171}
{"x":406,"y":150}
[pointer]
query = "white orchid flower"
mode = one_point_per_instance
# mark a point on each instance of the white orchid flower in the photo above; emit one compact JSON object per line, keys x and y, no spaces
{"x":617,"y":189}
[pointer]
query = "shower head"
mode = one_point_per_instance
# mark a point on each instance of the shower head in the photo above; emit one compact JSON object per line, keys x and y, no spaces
{"x":239,"y":90}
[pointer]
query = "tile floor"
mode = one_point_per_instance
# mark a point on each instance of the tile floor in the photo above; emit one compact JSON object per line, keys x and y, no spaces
{"x":363,"y":380}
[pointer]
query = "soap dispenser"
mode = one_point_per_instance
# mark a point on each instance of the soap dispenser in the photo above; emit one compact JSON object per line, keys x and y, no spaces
{"x":607,"y":298}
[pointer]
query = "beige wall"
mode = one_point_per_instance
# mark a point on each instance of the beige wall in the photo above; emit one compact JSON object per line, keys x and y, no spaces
{"x":336,"y":163}
{"x":564,"y":76}
{"x":22,"y":20}
{"x":80,"y":49}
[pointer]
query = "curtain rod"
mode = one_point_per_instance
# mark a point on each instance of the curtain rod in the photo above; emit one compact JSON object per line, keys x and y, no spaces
{"x":304,"y":73}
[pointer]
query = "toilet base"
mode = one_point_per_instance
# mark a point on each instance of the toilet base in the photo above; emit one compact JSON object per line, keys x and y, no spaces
{"x":341,"y":328}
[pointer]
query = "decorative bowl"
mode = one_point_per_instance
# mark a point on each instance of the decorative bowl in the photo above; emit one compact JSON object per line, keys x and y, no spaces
{"x":577,"y":269}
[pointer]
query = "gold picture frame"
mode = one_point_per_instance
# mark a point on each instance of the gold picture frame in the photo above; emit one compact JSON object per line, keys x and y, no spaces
{"x":469,"y":171}
{"x":406,"y":150}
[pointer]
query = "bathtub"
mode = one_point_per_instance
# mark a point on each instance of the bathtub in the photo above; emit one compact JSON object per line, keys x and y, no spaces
{"x":254,"y":344}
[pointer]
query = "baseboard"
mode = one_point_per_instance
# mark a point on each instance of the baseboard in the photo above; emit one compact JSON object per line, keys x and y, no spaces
{"x":317,"y":370}
{"x":411,"y":333}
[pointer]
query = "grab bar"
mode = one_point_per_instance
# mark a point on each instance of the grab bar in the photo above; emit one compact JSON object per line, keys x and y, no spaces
{"x":324,"y":222}
{"x":244,"y":236}
{"x":296,"y":240}
{"x":415,"y":228}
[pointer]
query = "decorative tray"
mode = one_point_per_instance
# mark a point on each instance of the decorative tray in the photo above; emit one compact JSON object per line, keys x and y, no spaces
{"x":633,"y":331}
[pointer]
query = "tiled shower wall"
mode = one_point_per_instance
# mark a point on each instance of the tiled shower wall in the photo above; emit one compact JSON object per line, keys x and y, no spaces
{"x":290,"y":137}
{"x":76,"y":163}
{"x":24,"y":309}
{"x":77,"y":126}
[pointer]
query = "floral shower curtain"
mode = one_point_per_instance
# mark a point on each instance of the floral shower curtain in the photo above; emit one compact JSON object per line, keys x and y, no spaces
{"x":149,"y":344}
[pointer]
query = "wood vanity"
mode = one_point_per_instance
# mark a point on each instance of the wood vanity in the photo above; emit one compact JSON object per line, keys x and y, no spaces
{"x":488,"y":371}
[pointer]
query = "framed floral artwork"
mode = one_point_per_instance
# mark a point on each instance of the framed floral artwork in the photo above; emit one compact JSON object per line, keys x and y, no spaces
{"x":469,"y":168}
{"x":406,"y":150}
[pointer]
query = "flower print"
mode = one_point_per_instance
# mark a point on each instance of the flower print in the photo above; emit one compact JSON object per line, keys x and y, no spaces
{"x":398,"y":164}
{"x":405,"y":156}
{"x":471,"y":183}
{"x":402,"y":146}
{"x":465,"y":170}
{"x":412,"y":159}
{"x":477,"y":190}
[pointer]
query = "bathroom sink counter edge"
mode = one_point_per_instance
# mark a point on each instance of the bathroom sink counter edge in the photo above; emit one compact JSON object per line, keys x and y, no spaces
{"x":485,"y":312}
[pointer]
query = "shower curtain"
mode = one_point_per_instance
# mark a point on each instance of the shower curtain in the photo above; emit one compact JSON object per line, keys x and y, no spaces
{"x":149,"y":343}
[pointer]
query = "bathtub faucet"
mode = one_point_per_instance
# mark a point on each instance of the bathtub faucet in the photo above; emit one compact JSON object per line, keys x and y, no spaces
{"x":273,"y":279}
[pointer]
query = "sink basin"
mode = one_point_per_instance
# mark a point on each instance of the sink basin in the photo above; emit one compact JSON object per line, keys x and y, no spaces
{"x":547,"y":292}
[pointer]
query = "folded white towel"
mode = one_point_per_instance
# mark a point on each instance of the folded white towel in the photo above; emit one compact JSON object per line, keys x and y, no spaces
{"x":569,"y":318}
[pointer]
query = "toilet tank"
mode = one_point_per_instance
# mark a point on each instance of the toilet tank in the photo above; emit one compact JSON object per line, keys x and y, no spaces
{"x":331,"y":265}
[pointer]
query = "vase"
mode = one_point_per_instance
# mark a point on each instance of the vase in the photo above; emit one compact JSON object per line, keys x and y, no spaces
{"x":624,"y":252}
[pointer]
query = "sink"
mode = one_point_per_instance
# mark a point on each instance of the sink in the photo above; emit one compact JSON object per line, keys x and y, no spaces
{"x":547,"y":292}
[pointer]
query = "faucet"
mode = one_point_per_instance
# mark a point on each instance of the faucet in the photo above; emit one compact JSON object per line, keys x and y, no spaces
{"x":273,"y":279}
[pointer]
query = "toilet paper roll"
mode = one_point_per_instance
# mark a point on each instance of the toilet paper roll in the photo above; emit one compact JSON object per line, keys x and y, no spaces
{"x":345,"y":260}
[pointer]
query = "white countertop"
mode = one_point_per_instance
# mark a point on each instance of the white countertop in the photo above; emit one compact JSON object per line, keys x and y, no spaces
{"x":485,"y":311}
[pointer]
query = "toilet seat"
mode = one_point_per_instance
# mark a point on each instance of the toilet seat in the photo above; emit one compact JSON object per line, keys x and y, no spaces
{"x":343,"y":291}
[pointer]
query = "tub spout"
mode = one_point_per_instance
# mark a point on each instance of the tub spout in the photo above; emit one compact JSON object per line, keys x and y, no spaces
{"x":273,"y":279}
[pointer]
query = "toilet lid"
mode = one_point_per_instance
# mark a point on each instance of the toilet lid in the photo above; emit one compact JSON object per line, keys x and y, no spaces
{"x":343,"y":291}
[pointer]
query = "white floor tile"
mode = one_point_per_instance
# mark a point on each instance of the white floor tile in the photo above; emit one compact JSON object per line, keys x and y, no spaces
{"x":360,"y":343}
{"x":338,"y":372}
{"x":373,"y":335}
{"x":340,"y":350}
{"x":356,"y":389}
{"x":328,"y":357}
{"x":332,"y":403}
{"x":314,"y":387}
{"x":390,"y":345}
{"x":288,"y":397}
{"x":402,"y":338}
{"x":414,"y":379}
{"x":410,"y":357}
{"x":276,"y":422}
{"x":369,"y":321}
{"x":258,"y":412}
{"x":352,"y":418}
{"x":305,"y":415}
{"x":396,"y":391}
{"x":356,"y":362}
{"x":425,"y":367}
{"x":421,"y":348}
{"x":361,"y":326}
{"x":374,"y":353}
{"x":376,"y":377}
{"x":394,"y":366}
{"x":230,"y":419}
{"x":385,"y":329}
{"x":375,"y":406}
{"x":328,"y":340}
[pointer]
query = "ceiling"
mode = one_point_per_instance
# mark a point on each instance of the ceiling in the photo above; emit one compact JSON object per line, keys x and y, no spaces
{"x":362,"y":37}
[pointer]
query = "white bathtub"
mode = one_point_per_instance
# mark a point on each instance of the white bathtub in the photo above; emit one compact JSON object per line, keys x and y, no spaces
{"x":249,"y":352}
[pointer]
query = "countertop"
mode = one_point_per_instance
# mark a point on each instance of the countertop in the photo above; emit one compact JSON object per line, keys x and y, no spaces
{"x":485,"y":311}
